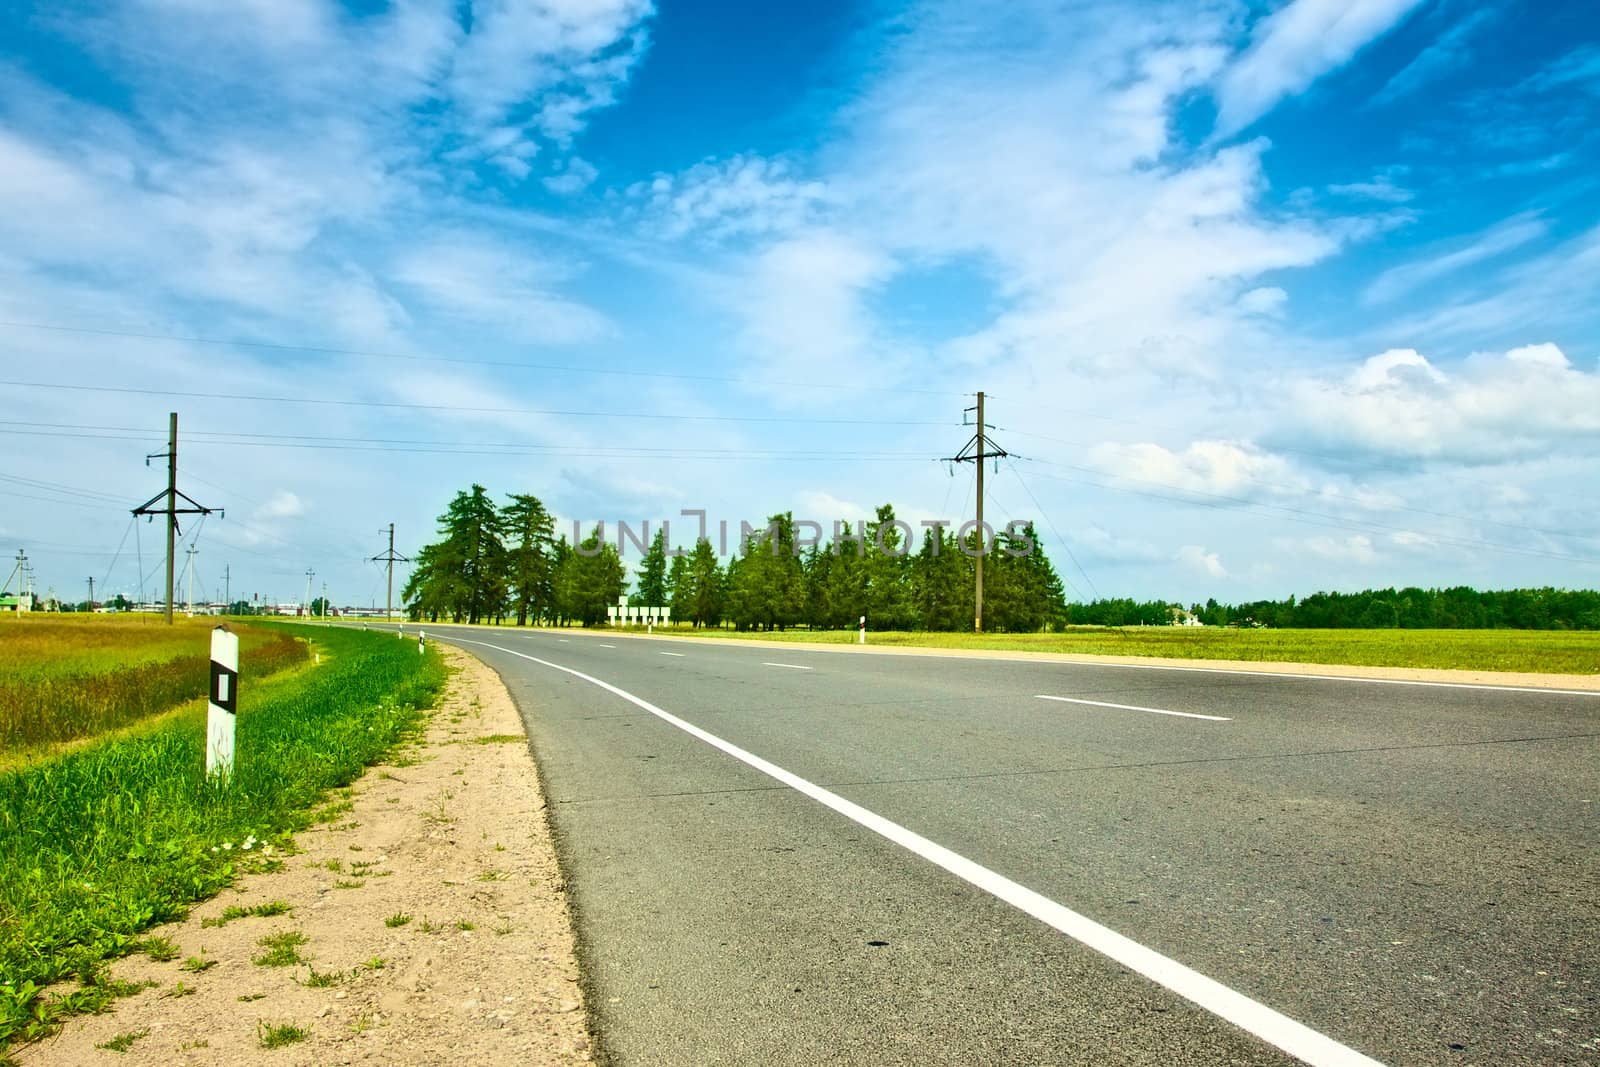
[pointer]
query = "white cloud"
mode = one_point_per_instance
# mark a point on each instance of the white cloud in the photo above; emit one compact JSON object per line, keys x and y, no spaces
{"x":1356,"y":548}
{"x":574,"y":178}
{"x":1448,"y":52}
{"x":1201,"y":561}
{"x":804,"y":315}
{"x":1500,"y":239}
{"x":1381,"y":187}
{"x":1225,"y":468}
{"x":495,"y":285}
{"x":1296,"y":45}
{"x":1489,"y":408}
{"x":739,"y":196}
{"x":282,"y":505}
{"x":1267,"y":300}
{"x":1097,"y":543}
{"x":1551,"y":291}
{"x":539,"y":69}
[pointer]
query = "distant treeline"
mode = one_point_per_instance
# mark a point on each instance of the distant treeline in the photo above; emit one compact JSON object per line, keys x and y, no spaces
{"x":1457,"y":608}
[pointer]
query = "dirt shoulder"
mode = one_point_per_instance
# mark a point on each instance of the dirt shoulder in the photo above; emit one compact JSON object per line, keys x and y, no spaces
{"x":452,"y":834}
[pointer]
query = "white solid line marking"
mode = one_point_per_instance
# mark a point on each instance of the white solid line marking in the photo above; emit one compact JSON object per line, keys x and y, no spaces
{"x":791,"y":666}
{"x":1134,"y":707}
{"x":563,"y":640}
{"x":678,"y":654}
{"x":1297,"y":1039}
{"x":605,"y":646}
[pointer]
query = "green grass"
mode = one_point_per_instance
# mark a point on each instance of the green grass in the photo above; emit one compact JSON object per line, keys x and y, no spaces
{"x":102,"y":842}
{"x":235,"y":911}
{"x":1538,"y":651}
{"x":399,"y":918}
{"x":63,"y":680}
{"x":277,"y":1035}
{"x":159,"y":949}
{"x":282,"y":949}
{"x":322,"y":979}
{"x":196,"y":964}
{"x":123,"y":1041}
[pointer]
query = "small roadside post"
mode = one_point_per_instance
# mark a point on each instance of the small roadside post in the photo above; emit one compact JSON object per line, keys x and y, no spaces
{"x":223,"y":706}
{"x":422,"y":642}
{"x":863,"y":639}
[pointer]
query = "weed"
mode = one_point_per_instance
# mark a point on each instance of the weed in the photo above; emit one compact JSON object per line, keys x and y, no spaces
{"x":180,"y":989}
{"x":361,"y":1023}
{"x":335,"y":866}
{"x":160,"y":949}
{"x":503,"y":928}
{"x":199,"y":963}
{"x":321,"y":980}
{"x":277,"y":1035}
{"x":466,"y":924}
{"x":374,"y":964}
{"x":399,"y":918}
{"x":491,"y":876}
{"x":246,"y":998}
{"x":123,"y":1041}
{"x":349,"y":883}
{"x":429,"y":927}
{"x":234,"y":911}
{"x":282,"y":949}
{"x":498,"y":739}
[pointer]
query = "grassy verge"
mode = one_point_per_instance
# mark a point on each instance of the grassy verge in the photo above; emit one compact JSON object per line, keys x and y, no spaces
{"x":1536,"y":651}
{"x":102,"y":842}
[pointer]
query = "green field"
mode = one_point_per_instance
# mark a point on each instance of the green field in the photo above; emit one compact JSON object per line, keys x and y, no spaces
{"x":1536,"y":651}
{"x":124,"y":831}
{"x":65,"y":677}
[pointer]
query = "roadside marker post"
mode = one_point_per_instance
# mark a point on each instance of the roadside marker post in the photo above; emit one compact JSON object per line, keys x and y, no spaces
{"x":422,"y":642}
{"x":863,"y":631}
{"x":223,"y":707}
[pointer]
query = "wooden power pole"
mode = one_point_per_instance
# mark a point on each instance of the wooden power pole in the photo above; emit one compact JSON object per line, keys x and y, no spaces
{"x":391,"y":557}
{"x":976,"y":451}
{"x":171,"y":509}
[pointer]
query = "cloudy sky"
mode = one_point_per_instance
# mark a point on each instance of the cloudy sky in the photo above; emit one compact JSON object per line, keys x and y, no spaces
{"x":1265,"y":297}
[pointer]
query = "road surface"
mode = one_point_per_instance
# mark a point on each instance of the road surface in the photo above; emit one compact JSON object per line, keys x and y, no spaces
{"x":785,"y":856}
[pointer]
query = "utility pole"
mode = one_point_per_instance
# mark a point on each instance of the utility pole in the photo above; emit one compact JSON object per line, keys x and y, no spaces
{"x":324,"y":600}
{"x":190,"y":597}
{"x":306,"y":611}
{"x":391,"y":557}
{"x":22,"y":562}
{"x":227,"y":590}
{"x":171,"y":495}
{"x":91,"y":592}
{"x":976,"y":451}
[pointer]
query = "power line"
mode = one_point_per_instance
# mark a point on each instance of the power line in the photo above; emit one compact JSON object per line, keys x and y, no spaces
{"x":278,"y":346}
{"x":1062,"y":540}
{"x":460,"y":408}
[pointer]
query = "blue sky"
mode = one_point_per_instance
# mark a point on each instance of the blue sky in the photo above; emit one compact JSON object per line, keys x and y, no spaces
{"x":1266,"y":298}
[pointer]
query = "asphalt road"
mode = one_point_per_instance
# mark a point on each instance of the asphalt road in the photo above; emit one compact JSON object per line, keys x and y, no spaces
{"x":1411,"y":872}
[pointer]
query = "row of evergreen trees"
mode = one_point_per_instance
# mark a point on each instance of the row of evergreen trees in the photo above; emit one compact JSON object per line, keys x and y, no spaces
{"x":1457,"y":608}
{"x":495,"y":562}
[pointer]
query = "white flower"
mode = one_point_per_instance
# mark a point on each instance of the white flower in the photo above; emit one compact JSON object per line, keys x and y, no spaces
{"x":227,"y":846}
{"x":213,"y":848}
